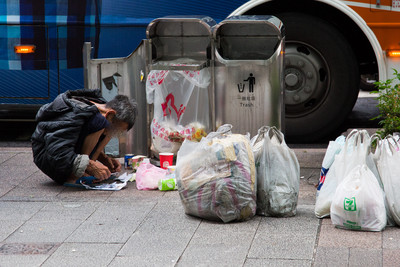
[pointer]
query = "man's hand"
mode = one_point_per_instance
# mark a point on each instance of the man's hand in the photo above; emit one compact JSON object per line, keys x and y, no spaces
{"x":98,"y":170}
{"x":116,"y":165}
{"x":112,"y":164}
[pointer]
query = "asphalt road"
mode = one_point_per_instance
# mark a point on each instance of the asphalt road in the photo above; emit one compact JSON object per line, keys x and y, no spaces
{"x":20,"y":132}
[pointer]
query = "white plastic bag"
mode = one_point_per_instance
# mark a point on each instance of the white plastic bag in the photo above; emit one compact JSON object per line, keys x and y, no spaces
{"x":334,"y":148}
{"x":354,"y":152}
{"x":358,"y":203}
{"x":181,"y":107}
{"x":278,"y":177}
{"x":216,"y":176}
{"x":389,"y":169}
{"x":257,"y":143}
{"x":372,"y":163}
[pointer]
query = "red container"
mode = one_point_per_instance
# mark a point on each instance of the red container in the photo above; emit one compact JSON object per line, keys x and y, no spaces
{"x":166,"y":159}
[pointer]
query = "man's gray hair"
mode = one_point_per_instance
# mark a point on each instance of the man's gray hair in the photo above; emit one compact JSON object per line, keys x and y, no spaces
{"x":126,"y":110}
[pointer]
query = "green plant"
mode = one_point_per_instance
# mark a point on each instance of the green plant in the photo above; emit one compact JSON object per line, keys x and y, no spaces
{"x":389,"y":105}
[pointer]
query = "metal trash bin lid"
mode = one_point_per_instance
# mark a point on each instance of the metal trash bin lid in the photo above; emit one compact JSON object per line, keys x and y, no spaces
{"x":248,"y":37}
{"x":189,"y":26}
{"x":178,"y":38}
{"x":260,"y":25}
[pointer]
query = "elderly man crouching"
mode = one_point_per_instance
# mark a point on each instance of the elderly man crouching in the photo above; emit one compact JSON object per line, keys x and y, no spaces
{"x":72,"y":131}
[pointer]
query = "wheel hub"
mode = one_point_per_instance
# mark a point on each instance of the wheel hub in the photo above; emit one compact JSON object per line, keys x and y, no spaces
{"x":291,"y":79}
{"x":305,"y":78}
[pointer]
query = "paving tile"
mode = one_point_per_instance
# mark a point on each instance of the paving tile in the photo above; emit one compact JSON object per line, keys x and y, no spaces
{"x":150,"y":262}
{"x":14,"y":211}
{"x":162,"y":236}
{"x":20,"y":159}
{"x":44,"y":231}
{"x":340,"y":238}
{"x":282,"y":246}
{"x":365,"y":257}
{"x":38,"y":179}
{"x":122,"y":211}
{"x":5,"y":187}
{"x":8,"y":227}
{"x":326,"y":221}
{"x":131,"y":193}
{"x":22,"y":260}
{"x":277,"y":263}
{"x":83,"y":254}
{"x":391,"y":257}
{"x":34,"y":194}
{"x":16,"y":174}
{"x":16,"y":147}
{"x":4,"y":156}
{"x":391,"y":238}
{"x":73,"y":194}
{"x":170,"y":207}
{"x":114,"y":222}
{"x":171,"y":196}
{"x":113,"y":231}
{"x":64,"y":211}
{"x":332,"y":257}
{"x":307,"y":193}
{"x":37,"y":187}
{"x":286,"y":238}
{"x":217,"y":244}
{"x":303,"y":223}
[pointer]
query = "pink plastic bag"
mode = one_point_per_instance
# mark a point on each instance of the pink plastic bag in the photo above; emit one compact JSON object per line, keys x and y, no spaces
{"x":148,"y":175}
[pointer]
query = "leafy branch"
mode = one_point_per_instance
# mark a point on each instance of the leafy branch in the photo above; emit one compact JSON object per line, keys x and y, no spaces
{"x":389,"y":105}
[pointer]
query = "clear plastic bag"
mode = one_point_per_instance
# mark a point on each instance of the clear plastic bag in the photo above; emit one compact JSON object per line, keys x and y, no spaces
{"x":278,"y":176}
{"x":358,"y":203}
{"x":181,"y":107}
{"x":216,"y":176}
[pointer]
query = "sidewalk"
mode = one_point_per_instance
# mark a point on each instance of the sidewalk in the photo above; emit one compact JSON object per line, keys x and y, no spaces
{"x":44,"y":224}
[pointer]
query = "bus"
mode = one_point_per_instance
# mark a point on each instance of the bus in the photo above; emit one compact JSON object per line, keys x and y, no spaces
{"x":332,"y":49}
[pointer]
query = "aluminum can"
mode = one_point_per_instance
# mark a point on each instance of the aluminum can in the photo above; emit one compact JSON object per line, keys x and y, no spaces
{"x":128,"y":161}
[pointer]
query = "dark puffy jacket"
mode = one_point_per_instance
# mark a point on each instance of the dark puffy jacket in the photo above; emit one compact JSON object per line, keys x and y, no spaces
{"x":57,"y":133}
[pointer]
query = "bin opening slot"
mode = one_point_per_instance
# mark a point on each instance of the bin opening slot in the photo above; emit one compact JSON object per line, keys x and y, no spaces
{"x":174,"y":38}
{"x":247,"y":47}
{"x":173,"y":47}
{"x":178,"y":28}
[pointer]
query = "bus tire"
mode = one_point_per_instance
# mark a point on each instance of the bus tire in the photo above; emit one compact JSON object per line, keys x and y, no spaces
{"x":321,"y":78}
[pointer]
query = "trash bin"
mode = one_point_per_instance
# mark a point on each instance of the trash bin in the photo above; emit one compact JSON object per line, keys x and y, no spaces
{"x":249,"y":54}
{"x":180,"y":84}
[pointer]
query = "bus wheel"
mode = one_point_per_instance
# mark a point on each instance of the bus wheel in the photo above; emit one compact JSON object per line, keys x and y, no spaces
{"x":320,"y":77}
